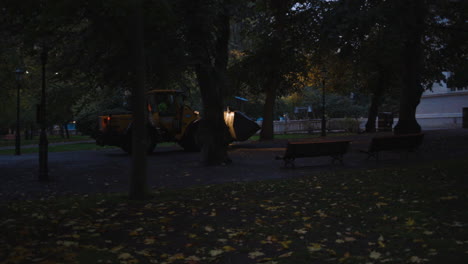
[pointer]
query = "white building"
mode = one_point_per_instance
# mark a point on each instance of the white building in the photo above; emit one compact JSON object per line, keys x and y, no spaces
{"x":442,"y":107}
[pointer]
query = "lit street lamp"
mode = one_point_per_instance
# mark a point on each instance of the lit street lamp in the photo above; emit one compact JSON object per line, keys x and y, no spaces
{"x":324,"y":122}
{"x":19,"y":75}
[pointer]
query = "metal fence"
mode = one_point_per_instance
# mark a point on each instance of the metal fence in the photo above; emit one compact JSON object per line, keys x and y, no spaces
{"x":314,"y":125}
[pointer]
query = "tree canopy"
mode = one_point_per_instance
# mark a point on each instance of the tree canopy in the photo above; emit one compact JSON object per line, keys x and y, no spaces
{"x":271,"y":48}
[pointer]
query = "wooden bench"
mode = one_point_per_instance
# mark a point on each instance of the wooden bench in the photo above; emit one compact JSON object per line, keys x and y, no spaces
{"x":402,"y":143}
{"x":335,"y":149}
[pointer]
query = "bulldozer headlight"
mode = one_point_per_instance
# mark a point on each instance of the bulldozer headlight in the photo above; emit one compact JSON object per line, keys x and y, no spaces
{"x":106,"y":120}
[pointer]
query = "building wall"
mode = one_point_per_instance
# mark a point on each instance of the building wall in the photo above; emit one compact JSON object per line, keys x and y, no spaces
{"x":442,"y":107}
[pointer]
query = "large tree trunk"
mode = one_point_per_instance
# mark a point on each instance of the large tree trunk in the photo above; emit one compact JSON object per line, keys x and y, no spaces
{"x":61,"y":131}
{"x":138,"y":184}
{"x":67,"y":133}
{"x":376,"y":100}
{"x":212,"y":78}
{"x":267,"y":132}
{"x":372,"y":114}
{"x":212,"y":131}
{"x":412,"y":89}
{"x":272,"y":84}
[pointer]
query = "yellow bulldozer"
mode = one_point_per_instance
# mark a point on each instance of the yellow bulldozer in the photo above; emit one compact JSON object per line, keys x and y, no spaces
{"x":170,"y":120}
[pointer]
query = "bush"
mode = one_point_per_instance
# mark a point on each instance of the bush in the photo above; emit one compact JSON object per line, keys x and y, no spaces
{"x":346,"y":124}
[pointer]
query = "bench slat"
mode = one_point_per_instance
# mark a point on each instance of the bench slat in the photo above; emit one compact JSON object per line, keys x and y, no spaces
{"x":335,"y":149}
{"x":408,"y":142}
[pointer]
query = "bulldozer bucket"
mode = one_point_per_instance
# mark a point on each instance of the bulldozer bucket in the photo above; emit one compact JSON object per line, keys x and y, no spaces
{"x":241,"y":127}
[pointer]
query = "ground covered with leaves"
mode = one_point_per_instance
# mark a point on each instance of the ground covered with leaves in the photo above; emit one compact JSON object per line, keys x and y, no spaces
{"x":388,"y":215}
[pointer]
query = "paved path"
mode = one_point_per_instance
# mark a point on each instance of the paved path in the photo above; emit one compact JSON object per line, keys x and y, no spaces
{"x":83,"y":172}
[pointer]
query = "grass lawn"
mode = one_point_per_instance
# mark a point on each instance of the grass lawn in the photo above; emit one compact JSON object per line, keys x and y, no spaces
{"x":398,"y":215}
{"x":51,"y":139}
{"x":58,"y":148}
{"x":93,"y":146}
{"x":69,"y":147}
{"x":300,"y":136}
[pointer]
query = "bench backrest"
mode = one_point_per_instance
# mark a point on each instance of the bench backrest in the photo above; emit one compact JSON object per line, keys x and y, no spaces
{"x":397,"y":142}
{"x":312,"y":149}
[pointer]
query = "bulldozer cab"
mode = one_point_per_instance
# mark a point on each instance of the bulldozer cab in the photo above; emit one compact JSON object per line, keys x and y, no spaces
{"x":165,"y":107}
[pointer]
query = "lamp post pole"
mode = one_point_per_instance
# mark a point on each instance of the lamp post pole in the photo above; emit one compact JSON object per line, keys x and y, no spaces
{"x":18,"y":73}
{"x":43,"y":143}
{"x":324,"y":122}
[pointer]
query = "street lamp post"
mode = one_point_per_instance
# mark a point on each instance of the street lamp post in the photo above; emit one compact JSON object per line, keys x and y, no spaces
{"x":19,"y":74}
{"x":324,"y":122}
{"x":43,"y":143}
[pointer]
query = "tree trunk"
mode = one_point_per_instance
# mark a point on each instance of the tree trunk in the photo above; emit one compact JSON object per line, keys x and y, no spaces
{"x":412,"y":89}
{"x":212,"y":131}
{"x":62,"y":134}
{"x":26,"y":134}
{"x":267,"y":132}
{"x":374,"y":107}
{"x":279,"y":8}
{"x":138,"y":184}
{"x":30,"y":133}
{"x":212,"y":78}
{"x":372,"y":116}
{"x":67,"y":133}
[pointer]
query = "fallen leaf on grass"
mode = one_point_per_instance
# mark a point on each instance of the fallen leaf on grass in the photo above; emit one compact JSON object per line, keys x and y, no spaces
{"x":285,"y":255}
{"x":375,"y":255}
{"x":269,"y":240}
{"x":380,"y":241}
{"x":228,"y":248}
{"x":321,"y":213}
{"x":209,"y":229}
{"x":380,"y":204}
{"x":448,"y":198}
{"x":300,"y":231}
{"x":285,"y":244}
{"x":149,"y":241}
{"x":216,"y":252}
{"x":314,"y":247}
{"x":67,"y":243}
{"x":410,"y":222}
{"x":255,"y":254}
{"x":345,"y":257}
{"x":192,"y":258}
{"x":144,"y":253}
{"x":175,"y":257}
{"x":125,"y":256}
{"x":415,"y":259}
{"x":135,"y":232}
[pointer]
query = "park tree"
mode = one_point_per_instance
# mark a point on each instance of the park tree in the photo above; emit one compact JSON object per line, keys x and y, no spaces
{"x":207,"y":29}
{"x":429,"y":48}
{"x":412,"y":21}
{"x":55,"y":24}
{"x":399,"y":49}
{"x":275,"y":52}
{"x":366,"y":51}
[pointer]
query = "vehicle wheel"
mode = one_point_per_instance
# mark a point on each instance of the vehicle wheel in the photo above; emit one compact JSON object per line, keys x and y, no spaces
{"x":151,"y":142}
{"x":189,"y":142}
{"x":127,"y":144}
